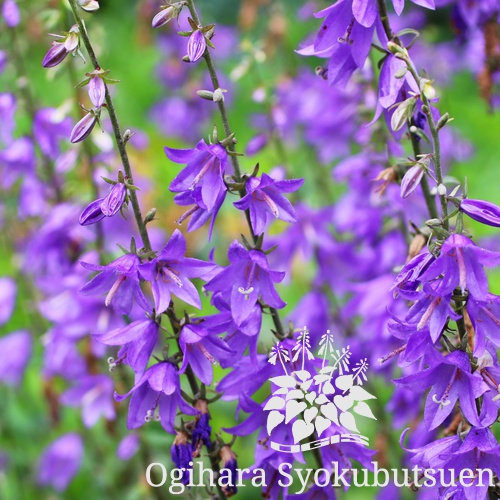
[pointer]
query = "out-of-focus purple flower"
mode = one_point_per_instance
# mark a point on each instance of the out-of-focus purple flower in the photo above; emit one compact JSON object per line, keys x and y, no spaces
{"x":7,"y":112}
{"x":411,"y":180}
{"x":158,"y":388}
{"x":97,"y":91}
{"x":256,"y":144}
{"x":182,"y":455}
{"x":8,"y":292}
{"x":205,"y":166}
{"x":3,"y":61}
{"x":83,"y":128}
{"x":139,"y":337}
{"x":94,"y":394}
{"x":128,"y":447}
{"x":15,"y":352}
{"x":265,"y":201}
{"x":50,"y":127}
{"x":120,"y":280}
{"x":18,"y":160}
{"x":61,"y":461}
{"x":92,"y":213}
{"x":171,"y":271}
{"x":113,"y":201}
{"x":196,"y":46}
{"x":246,"y":278}
{"x":11,"y":13}
{"x":202,"y":349}
{"x":482,"y":211}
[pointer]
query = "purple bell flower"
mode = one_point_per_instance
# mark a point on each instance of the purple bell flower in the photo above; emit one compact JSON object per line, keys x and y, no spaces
{"x":83,"y":128}
{"x":265,"y":201}
{"x":156,"y":396}
{"x":61,"y":461}
{"x":246,"y":278}
{"x":482,"y":211}
{"x":170,"y":273}
{"x":202,"y":350}
{"x":97,"y":91}
{"x":120,"y":280}
{"x":205,"y":167}
{"x":55,"y":55}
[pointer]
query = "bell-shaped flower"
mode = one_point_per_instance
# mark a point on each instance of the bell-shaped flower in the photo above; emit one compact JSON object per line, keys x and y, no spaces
{"x":120,"y":281}
{"x":246,"y":278}
{"x":266,"y":201}
{"x":171,"y":271}
{"x":156,"y":396}
{"x":205,"y":167}
{"x":202,"y":350}
{"x":482,"y":211}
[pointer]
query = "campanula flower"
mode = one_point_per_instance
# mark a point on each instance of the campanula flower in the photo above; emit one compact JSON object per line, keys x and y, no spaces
{"x":205,"y":167}
{"x":202,"y":350}
{"x":156,"y":396}
{"x":97,"y":90}
{"x":266,"y":202}
{"x":113,"y":201}
{"x":120,"y":280}
{"x":182,"y":455}
{"x":246,"y":278}
{"x":83,"y":128}
{"x":171,"y":271}
{"x":92,"y":213}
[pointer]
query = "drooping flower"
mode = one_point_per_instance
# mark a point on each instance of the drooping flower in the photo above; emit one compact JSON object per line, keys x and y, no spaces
{"x":202,"y":349}
{"x":97,"y":90}
{"x":265,"y":201}
{"x":171,"y":271}
{"x":83,"y":128}
{"x":460,"y":264}
{"x":139,"y":339}
{"x":92,"y":213}
{"x":482,"y":211}
{"x":156,"y":396}
{"x":450,"y":380}
{"x":120,"y":280}
{"x":205,"y":167}
{"x":113,"y":201}
{"x":61,"y":461}
{"x":246,"y":278}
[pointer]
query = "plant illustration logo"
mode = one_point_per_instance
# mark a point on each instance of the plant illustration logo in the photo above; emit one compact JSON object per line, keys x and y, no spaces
{"x":317,"y":403}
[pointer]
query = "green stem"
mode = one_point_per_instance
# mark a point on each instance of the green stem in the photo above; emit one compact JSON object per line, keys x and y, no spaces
{"x":234,"y":159}
{"x":120,"y":143}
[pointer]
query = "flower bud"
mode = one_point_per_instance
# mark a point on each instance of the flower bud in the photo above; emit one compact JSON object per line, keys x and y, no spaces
{"x":196,"y":46}
{"x":163,"y":17}
{"x":481,"y":211}
{"x":72,"y":39}
{"x":411,"y":180}
{"x":89,"y":5}
{"x":56,"y":55}
{"x":97,"y":91}
{"x":83,"y":128}
{"x":114,"y":200}
{"x":206,"y":94}
{"x":92,"y":213}
{"x":219,"y":95}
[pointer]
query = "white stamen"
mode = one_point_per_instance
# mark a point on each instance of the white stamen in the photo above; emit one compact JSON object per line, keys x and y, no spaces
{"x":246,"y":292}
{"x":114,"y":289}
{"x":441,"y":402}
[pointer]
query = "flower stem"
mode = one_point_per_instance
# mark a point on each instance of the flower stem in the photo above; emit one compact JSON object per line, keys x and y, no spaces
{"x":234,"y":159}
{"x":120,"y":143}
